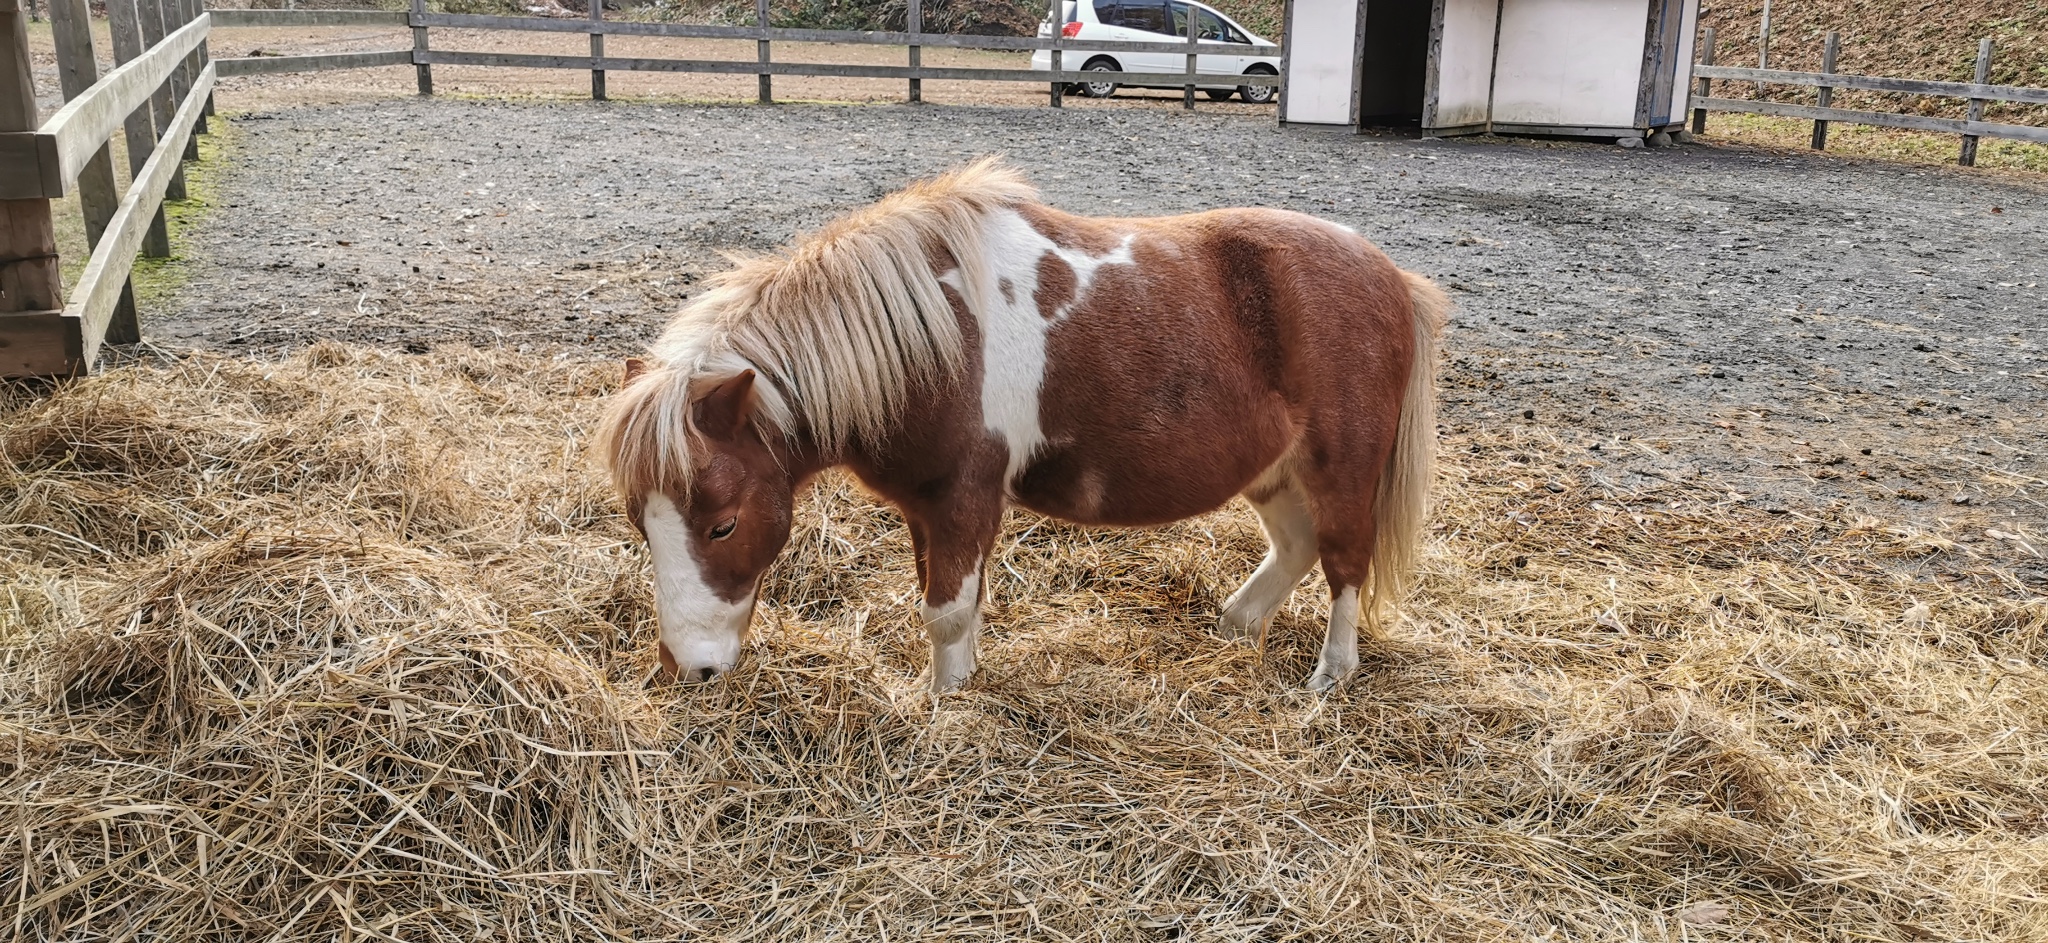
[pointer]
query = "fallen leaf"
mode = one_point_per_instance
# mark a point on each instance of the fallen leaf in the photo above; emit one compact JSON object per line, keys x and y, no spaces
{"x":1706,"y":913}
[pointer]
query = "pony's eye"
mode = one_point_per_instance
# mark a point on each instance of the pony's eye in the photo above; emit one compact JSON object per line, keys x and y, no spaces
{"x":724,"y":530}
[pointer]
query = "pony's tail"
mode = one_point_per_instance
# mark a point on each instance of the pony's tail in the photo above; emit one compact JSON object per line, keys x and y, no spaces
{"x":1403,"y":500}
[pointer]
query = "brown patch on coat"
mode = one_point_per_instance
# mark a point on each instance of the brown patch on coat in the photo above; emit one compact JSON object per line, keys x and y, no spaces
{"x":1077,"y":233}
{"x":1057,"y":286}
{"x":1009,"y":291}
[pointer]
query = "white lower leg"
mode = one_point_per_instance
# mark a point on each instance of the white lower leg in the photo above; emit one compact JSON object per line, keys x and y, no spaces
{"x":1291,"y":532}
{"x":953,"y":628}
{"x":1340,"y":646}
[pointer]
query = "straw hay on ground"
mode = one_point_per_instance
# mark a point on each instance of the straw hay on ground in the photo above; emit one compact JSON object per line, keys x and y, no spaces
{"x":352,"y":646}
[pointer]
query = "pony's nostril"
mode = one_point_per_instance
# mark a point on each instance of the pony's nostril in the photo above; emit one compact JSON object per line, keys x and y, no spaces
{"x":706,"y":674}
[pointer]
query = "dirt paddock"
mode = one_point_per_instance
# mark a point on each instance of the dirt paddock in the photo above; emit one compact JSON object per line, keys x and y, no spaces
{"x":1729,"y":626}
{"x":1820,"y":331}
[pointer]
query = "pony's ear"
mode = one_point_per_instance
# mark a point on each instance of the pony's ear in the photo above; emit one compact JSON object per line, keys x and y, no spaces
{"x":722,"y":410}
{"x":634,"y":368}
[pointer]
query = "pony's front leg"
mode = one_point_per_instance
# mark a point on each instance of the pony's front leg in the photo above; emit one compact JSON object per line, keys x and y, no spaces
{"x":951,"y":549}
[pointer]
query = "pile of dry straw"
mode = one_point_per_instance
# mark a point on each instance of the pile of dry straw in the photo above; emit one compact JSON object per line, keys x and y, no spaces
{"x":354,"y":646}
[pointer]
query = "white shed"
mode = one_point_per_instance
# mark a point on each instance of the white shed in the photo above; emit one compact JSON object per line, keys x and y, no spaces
{"x":1595,"y":68}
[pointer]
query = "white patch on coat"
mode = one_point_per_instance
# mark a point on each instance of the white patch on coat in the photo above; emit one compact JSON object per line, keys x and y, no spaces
{"x":1340,"y":645}
{"x":699,"y":629}
{"x":1013,"y":333}
{"x":953,"y":627}
{"x":1290,"y":554}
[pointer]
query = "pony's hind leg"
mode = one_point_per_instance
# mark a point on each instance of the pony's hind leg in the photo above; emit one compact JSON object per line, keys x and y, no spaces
{"x":1291,"y":536}
{"x":1340,"y":643}
{"x":1347,"y":565}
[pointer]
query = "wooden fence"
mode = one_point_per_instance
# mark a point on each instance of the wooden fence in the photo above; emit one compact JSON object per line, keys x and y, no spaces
{"x":1826,"y":81}
{"x":159,"y":95}
{"x":424,"y":57}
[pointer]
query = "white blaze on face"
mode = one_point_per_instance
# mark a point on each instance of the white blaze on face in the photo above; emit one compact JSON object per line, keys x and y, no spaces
{"x":1013,"y":333}
{"x":699,"y":630}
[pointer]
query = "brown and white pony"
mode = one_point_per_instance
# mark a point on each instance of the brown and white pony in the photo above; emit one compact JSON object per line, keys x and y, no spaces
{"x":960,"y":346}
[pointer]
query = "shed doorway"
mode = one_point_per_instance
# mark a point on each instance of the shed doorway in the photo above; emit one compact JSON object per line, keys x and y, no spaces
{"x":1393,"y":75}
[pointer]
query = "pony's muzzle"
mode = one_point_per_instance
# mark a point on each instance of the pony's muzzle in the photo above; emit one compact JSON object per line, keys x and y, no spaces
{"x":669,"y":669}
{"x":687,"y":672}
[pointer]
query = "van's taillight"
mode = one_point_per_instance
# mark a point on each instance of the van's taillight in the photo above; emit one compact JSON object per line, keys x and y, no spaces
{"x":1071,"y":30}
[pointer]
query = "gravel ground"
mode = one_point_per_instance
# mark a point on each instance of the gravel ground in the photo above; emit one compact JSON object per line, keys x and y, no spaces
{"x":1811,"y":329}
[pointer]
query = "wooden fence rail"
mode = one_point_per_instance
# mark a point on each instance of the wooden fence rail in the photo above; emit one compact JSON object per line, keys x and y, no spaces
{"x":41,"y":334}
{"x":424,"y":57}
{"x":160,"y":93}
{"x":1827,"y":81}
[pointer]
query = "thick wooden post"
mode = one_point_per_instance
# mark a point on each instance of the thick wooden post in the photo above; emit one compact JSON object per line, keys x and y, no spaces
{"x":140,"y":127}
{"x":164,"y":103}
{"x":596,"y":50}
{"x":177,"y":13}
{"x":1188,"y":90}
{"x":1968,"y":157}
{"x":1763,"y":46}
{"x":1699,"y":115}
{"x":1057,"y":20}
{"x":194,"y":9}
{"x":422,"y":72}
{"x":915,"y":15}
{"x":767,"y":89}
{"x":1828,"y":54}
{"x":31,"y":289}
{"x":98,"y":194}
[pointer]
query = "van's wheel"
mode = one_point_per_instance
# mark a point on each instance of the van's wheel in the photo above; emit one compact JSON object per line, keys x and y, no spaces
{"x":1258,"y":94}
{"x":1220,"y":94}
{"x":1099,"y":89}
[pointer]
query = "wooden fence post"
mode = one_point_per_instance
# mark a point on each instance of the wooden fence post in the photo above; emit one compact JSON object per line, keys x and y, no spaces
{"x":205,"y":53}
{"x":1056,"y":21}
{"x":1763,"y":46}
{"x":1699,"y":115}
{"x":182,"y":12}
{"x":1968,"y":157}
{"x":1828,"y":54}
{"x":423,"y":73}
{"x":98,"y":194}
{"x":164,"y":103}
{"x":767,"y":90}
{"x":1188,"y":90}
{"x":140,"y":127}
{"x":31,"y":288}
{"x":915,"y":16}
{"x":165,"y":14}
{"x":596,"y":50}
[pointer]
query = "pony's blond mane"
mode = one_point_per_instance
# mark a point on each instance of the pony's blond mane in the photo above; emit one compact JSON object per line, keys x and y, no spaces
{"x":841,"y":328}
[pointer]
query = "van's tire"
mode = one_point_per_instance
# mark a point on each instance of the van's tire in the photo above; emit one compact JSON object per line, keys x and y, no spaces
{"x":1100,"y":89}
{"x":1258,"y":94}
{"x":1220,"y":94}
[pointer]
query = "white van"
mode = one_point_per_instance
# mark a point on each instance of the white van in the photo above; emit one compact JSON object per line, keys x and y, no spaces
{"x":1159,"y":21}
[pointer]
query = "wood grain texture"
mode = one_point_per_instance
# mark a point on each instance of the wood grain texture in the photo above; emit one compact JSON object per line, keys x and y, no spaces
{"x":93,"y":302}
{"x":268,"y":65}
{"x":2017,"y":132}
{"x":1873,"y":83}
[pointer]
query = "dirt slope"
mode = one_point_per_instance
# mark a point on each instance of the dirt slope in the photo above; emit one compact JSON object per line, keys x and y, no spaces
{"x":1906,"y":38}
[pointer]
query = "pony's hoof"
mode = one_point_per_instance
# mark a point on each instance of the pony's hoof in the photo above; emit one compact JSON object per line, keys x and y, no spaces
{"x":1238,"y":630}
{"x":1326,"y":679}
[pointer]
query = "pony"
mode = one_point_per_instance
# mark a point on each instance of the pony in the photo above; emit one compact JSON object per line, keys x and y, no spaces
{"x":959,"y":346}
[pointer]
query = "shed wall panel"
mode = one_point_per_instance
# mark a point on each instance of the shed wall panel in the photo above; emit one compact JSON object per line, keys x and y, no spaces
{"x":1681,"y":89}
{"x":1322,"y":62}
{"x":1465,"y":63}
{"x":1573,"y":63}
